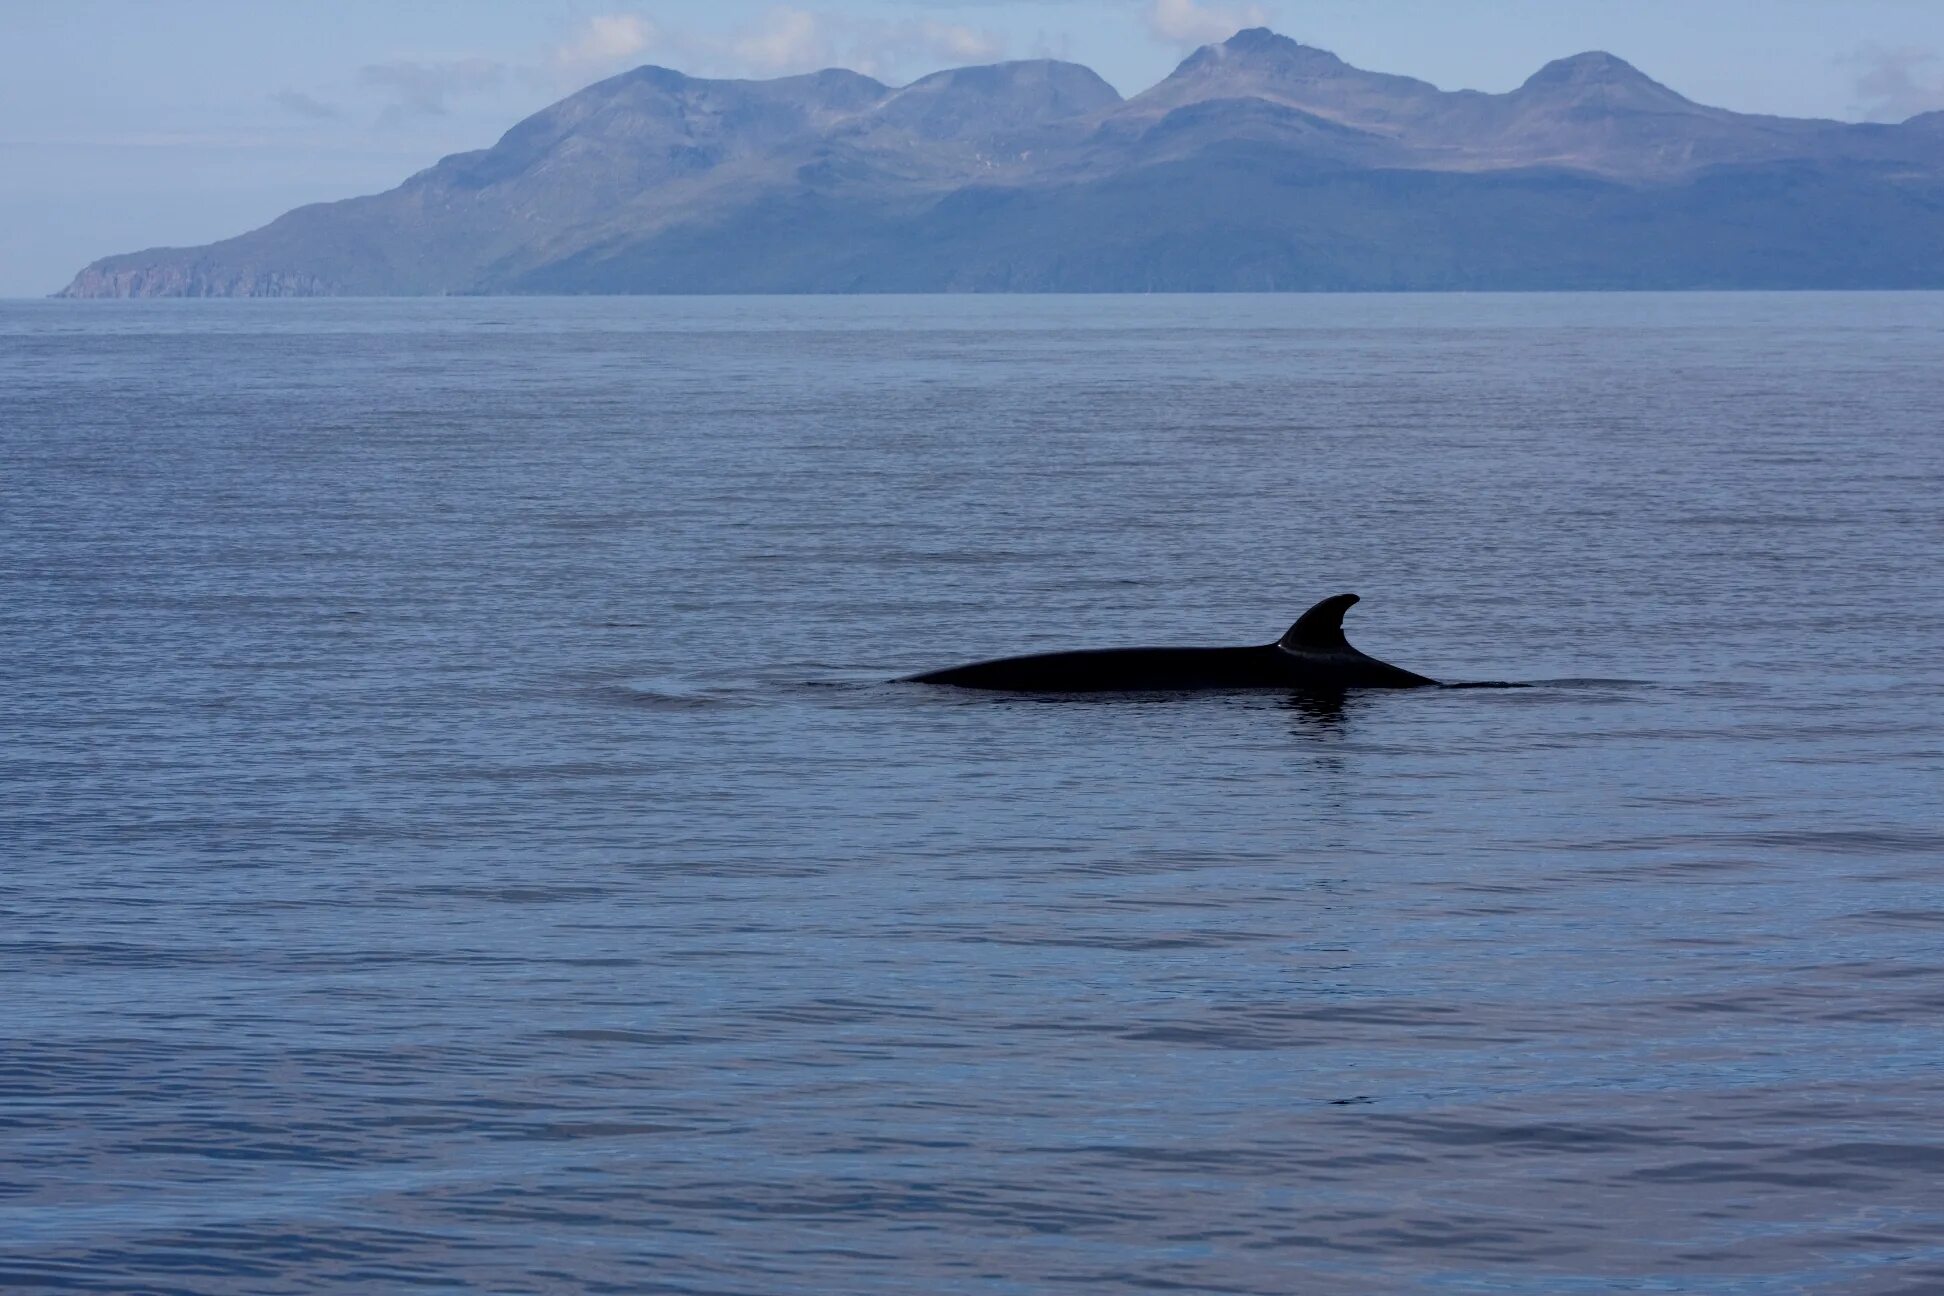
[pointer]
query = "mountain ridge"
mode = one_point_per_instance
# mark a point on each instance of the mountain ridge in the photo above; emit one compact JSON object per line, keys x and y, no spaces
{"x":1258,"y":162}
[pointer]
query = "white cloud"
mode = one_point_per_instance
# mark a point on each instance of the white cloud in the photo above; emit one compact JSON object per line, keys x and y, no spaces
{"x":957,"y":41}
{"x":1891,"y":84}
{"x":409,"y":88}
{"x":1187,"y":23}
{"x":780,"y":41}
{"x":787,"y":40}
{"x":604,"y":43}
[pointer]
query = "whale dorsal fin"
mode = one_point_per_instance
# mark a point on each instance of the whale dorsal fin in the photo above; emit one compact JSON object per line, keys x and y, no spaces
{"x":1320,"y":630}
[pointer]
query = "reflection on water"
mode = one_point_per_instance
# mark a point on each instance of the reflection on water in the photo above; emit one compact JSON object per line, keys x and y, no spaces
{"x":1317,"y":712}
{"x":460,"y":835}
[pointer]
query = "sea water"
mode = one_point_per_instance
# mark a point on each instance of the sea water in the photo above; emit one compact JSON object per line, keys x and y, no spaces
{"x":458,"y":832}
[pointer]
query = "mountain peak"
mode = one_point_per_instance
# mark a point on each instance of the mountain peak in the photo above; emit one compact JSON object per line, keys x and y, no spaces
{"x":646,"y":74}
{"x":1258,"y":38}
{"x":1593,"y":68}
{"x":1258,"y":48}
{"x":995,"y":98}
{"x":990,"y":77}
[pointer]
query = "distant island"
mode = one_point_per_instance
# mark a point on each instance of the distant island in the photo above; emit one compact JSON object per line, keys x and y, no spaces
{"x":1258,"y":165}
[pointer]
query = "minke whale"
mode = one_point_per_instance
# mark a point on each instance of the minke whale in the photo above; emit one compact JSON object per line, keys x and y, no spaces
{"x":1312,"y":657}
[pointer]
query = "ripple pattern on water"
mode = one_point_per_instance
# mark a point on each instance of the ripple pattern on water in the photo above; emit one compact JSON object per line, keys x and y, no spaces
{"x":460,"y":835}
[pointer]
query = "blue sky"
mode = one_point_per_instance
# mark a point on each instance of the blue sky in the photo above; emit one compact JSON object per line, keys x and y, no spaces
{"x":136,"y":123}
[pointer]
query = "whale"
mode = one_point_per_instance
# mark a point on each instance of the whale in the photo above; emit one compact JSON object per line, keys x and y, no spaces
{"x":1313,"y":657}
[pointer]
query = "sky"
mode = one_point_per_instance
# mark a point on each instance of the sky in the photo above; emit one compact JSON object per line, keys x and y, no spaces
{"x":127,"y":124}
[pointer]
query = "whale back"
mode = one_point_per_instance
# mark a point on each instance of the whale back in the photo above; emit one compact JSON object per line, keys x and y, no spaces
{"x":1316,"y":649}
{"x":1320,"y":630}
{"x":1313,"y":656}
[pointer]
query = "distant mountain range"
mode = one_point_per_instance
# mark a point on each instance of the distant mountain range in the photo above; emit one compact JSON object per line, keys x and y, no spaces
{"x":1259,"y":164}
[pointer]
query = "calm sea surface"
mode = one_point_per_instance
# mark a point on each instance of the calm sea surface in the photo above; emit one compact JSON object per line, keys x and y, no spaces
{"x":456,"y":834}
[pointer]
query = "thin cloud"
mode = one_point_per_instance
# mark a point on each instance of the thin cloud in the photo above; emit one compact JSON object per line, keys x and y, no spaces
{"x":1895,"y":83}
{"x":303,"y":105}
{"x":1186,"y":23}
{"x":1053,"y":45}
{"x":426,"y":89}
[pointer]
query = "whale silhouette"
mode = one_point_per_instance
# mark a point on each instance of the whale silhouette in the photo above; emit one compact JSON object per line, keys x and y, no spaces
{"x":1312,"y":657}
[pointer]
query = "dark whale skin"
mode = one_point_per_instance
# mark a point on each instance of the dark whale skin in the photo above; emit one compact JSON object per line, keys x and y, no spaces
{"x":1312,"y":656}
